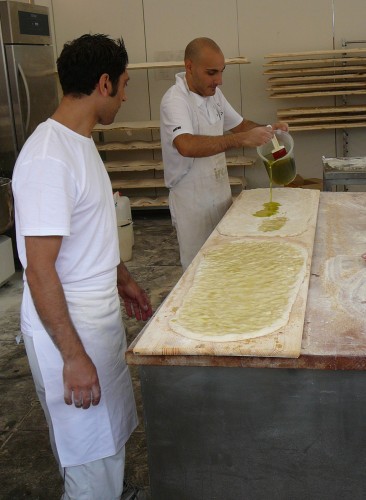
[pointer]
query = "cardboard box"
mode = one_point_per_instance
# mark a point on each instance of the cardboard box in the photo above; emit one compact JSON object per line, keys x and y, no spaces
{"x":310,"y":183}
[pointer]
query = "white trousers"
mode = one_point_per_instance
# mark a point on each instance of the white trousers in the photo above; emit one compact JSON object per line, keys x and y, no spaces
{"x":98,"y":480}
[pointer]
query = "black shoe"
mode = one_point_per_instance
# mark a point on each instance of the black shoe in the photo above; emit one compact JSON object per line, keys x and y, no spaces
{"x":131,"y":492}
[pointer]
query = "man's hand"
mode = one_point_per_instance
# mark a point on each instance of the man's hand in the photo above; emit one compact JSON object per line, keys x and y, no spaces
{"x":252,"y":135}
{"x":81,"y":383}
{"x":136,"y":301}
{"x":280,"y":126}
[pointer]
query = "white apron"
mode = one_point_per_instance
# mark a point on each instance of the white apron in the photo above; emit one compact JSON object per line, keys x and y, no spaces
{"x":83,"y":436}
{"x":201,"y":198}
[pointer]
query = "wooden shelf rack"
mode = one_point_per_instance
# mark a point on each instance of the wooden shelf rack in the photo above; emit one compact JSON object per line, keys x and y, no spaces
{"x":321,"y":73}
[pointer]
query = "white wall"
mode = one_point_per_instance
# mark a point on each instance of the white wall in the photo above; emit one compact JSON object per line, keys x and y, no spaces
{"x":160,"y":29}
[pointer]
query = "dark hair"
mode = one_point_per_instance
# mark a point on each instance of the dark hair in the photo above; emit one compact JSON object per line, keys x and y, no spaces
{"x":85,"y":59}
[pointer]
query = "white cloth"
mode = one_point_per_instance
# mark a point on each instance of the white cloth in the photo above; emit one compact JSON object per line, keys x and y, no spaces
{"x":61,"y":188}
{"x":87,"y":481}
{"x":200,"y":193}
{"x":178,"y":115}
{"x":99,"y":432}
{"x":202,"y":196}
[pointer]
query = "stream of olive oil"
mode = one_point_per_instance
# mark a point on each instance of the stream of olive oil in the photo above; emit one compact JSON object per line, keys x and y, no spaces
{"x":270,"y":208}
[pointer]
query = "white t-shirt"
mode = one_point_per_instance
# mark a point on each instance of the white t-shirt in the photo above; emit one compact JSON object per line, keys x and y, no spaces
{"x":61,"y":187}
{"x":178,"y":116}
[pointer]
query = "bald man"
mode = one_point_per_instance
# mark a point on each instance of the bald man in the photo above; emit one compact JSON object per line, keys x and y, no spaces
{"x":194,"y":115}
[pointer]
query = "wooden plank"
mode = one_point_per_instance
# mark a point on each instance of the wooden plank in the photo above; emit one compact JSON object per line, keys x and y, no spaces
{"x":240,"y":161}
{"x":159,"y":183}
{"x":128,"y":146}
{"x":180,"y":64}
{"x":147,"y":202}
{"x":316,"y":78}
{"x":312,"y":62}
{"x":319,"y":86}
{"x":144,"y":166}
{"x":327,"y":119}
{"x":320,"y":110}
{"x":306,"y":71}
{"x":159,"y":338}
{"x":133,"y":166}
{"x":327,"y":126}
{"x":317,"y":94}
{"x":344,"y":50}
{"x":128,"y":126}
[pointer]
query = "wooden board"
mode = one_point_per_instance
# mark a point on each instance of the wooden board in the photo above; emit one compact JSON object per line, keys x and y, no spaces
{"x":327,"y":126}
{"x":159,"y":339}
{"x":312,"y":62}
{"x":146,"y":202}
{"x":336,"y":311}
{"x":322,"y":70}
{"x":326,"y":119}
{"x":180,"y":64}
{"x":159,"y":183}
{"x":284,"y":95}
{"x":320,"y":110}
{"x":146,"y":165}
{"x":316,"y":78}
{"x":344,"y":50}
{"x":135,"y":126}
{"x":318,"y":86}
{"x":128,"y":145}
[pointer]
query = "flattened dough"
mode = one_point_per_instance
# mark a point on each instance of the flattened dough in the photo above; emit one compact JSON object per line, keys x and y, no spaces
{"x":297,"y":207}
{"x":242,"y":290}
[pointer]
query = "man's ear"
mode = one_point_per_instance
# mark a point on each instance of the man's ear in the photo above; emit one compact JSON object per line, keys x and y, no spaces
{"x":188,"y":65}
{"x":104,"y":85}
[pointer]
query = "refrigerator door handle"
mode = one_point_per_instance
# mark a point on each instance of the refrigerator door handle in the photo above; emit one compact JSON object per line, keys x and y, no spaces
{"x":21,"y":72}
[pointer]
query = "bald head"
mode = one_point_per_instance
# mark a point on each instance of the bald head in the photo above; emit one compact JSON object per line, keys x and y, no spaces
{"x":205,"y":64}
{"x":198,"y":46}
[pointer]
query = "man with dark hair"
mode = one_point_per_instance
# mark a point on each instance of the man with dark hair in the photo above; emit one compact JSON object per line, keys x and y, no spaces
{"x":194,"y":115}
{"x":68,"y":245}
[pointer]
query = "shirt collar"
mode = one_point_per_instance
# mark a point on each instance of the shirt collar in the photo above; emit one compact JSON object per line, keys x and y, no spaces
{"x":181,"y":81}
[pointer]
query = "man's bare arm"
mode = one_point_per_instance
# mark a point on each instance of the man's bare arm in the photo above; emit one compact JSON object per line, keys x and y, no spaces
{"x":81,"y":382}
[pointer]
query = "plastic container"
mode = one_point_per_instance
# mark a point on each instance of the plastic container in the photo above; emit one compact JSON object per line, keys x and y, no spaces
{"x":123,"y":211}
{"x":283,"y":170}
{"x":123,"y":208}
{"x":125,"y":237}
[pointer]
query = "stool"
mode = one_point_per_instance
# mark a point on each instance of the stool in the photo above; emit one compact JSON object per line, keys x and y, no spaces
{"x":343,"y":171}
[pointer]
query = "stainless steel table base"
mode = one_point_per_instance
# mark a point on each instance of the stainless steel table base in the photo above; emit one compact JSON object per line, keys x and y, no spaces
{"x":255,"y":434}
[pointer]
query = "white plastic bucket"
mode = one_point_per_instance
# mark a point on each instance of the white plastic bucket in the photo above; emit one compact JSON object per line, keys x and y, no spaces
{"x":123,"y":208}
{"x":123,"y":211}
{"x":125,"y":237}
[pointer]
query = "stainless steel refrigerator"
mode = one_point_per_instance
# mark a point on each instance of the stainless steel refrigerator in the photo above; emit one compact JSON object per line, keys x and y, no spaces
{"x":28,"y":79}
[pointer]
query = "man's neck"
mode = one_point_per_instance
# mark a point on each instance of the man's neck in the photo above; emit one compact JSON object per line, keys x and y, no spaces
{"x":76,"y":114}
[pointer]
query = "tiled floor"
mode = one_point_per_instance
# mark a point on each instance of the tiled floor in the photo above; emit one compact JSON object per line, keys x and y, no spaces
{"x":27,"y":467}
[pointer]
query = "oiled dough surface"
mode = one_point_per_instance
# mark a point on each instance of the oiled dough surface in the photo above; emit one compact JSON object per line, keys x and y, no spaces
{"x":242,"y":290}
